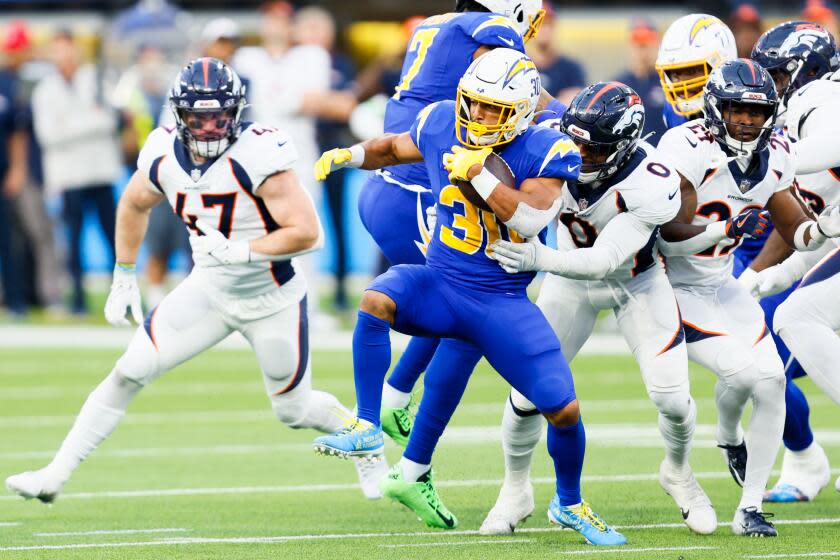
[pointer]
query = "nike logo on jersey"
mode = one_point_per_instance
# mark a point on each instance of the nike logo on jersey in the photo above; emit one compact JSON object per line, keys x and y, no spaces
{"x":673,"y":194}
{"x":281,"y":144}
{"x":693,"y":144}
{"x":508,"y":42}
{"x":573,"y":168}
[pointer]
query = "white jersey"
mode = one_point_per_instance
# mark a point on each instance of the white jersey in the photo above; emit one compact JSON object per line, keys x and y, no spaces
{"x":647,"y":187}
{"x":225,"y":194}
{"x":723,"y":191}
{"x":819,"y":189}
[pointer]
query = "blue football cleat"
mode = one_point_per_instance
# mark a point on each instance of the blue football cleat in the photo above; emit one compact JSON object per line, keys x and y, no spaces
{"x":582,"y":519}
{"x":360,"y":438}
{"x":785,"y":493}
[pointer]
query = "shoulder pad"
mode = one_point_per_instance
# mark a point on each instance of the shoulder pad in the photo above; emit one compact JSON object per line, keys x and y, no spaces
{"x":652,"y":191}
{"x":263,"y":151}
{"x":157,"y":144}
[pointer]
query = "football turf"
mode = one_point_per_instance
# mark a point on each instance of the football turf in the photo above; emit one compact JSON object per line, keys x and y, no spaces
{"x":199,"y":468}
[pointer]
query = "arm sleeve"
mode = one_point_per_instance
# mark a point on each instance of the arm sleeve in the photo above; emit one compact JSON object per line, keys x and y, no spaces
{"x":622,"y":238}
{"x":800,"y":262}
{"x":714,"y":234}
{"x":817,"y":147}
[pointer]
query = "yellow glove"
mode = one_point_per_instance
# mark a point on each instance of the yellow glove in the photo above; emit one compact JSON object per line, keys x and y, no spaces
{"x":330,"y":161}
{"x":459,"y":162}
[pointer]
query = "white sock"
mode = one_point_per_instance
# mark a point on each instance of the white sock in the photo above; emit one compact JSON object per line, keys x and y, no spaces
{"x":412,"y":471}
{"x":102,"y":411}
{"x":520,"y":435}
{"x":730,"y":403}
{"x":394,"y":398}
{"x":678,"y":437}
{"x":305,"y":408}
{"x":764,"y":436}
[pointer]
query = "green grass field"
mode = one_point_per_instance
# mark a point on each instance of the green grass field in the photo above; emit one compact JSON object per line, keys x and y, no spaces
{"x":200,"y":469}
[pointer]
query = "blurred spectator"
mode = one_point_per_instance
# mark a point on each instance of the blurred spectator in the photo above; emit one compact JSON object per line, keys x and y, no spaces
{"x":141,"y":96}
{"x":220,"y":39}
{"x":315,"y":26}
{"x":22,"y":185}
{"x":281,"y":76}
{"x":746,"y":26}
{"x":641,"y":75}
{"x":821,"y":12}
{"x":78,"y":135}
{"x":561,"y":76}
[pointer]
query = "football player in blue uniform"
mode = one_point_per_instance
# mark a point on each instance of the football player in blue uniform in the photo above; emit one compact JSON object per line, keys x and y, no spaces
{"x":461,"y":292}
{"x":394,"y":200}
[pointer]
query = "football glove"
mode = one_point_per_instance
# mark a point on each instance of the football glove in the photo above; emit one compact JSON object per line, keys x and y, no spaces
{"x":748,"y":279}
{"x":459,"y":162}
{"x":751,"y":223}
{"x":829,"y":221}
{"x":214,"y":249}
{"x":521,"y":257}
{"x":431,"y":217}
{"x":123,"y":298}
{"x":773,"y":280}
{"x":330,"y":161}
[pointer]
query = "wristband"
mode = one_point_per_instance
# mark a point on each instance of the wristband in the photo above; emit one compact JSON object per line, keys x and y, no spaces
{"x":125,"y":267}
{"x":484,"y":183}
{"x":357,"y":155}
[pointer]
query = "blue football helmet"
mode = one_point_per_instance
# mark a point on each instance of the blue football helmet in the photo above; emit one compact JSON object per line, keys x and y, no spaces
{"x":607,"y":118}
{"x":207,"y":99}
{"x":796,"y":53}
{"x":740,"y":85}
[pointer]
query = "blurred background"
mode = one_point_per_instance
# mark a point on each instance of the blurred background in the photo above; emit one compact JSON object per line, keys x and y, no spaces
{"x":82,"y":83}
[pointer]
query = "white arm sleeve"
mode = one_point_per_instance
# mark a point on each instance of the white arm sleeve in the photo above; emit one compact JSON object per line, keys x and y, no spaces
{"x":817,"y":147}
{"x":622,"y":238}
{"x":800,"y":262}
{"x":713,"y":234}
{"x":529,"y":221}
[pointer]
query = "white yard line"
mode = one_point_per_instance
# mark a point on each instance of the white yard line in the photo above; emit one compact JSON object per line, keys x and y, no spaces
{"x":457,"y":543}
{"x":631,"y":550}
{"x":113,"y":532}
{"x":796,"y":555}
{"x":9,"y":524}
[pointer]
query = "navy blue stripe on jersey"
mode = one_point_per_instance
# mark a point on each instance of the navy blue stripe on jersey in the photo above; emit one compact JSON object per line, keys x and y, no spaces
{"x":696,"y":334}
{"x":522,"y":413}
{"x":679,"y":336}
{"x":591,"y":196}
{"x":282,"y":271}
{"x":184,"y":160}
{"x":303,"y":348}
{"x":149,"y":326}
{"x":778,"y":174}
{"x":756,"y":173}
{"x":826,"y":269}
{"x":154,"y":173}
{"x":644,"y":258}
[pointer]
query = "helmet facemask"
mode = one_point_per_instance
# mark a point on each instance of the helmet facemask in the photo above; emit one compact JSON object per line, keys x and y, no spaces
{"x":534,"y":26}
{"x":609,"y":157}
{"x":208,"y":132}
{"x":733,"y":134}
{"x":685,"y":95}
{"x":496,"y":131}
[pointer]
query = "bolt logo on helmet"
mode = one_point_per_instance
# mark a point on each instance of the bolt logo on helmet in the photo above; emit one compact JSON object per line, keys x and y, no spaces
{"x":795,"y":53}
{"x":691,"y":47}
{"x":207,"y":99}
{"x":527,"y":15}
{"x":740,"y":85}
{"x":496,"y":98}
{"x":606,"y":120}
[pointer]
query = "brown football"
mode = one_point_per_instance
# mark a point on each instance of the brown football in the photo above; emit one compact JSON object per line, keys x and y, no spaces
{"x":499,"y":168}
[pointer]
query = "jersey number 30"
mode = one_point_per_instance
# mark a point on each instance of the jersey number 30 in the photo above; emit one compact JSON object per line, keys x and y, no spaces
{"x":473,"y":225}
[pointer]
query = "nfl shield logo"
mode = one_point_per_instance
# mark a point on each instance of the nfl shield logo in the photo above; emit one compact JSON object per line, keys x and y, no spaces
{"x":195,"y":175}
{"x":745,"y":185}
{"x":583,"y":204}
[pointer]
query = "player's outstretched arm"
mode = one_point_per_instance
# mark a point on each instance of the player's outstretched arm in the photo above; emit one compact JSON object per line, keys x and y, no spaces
{"x":376,"y":153}
{"x":136,"y":203}
{"x":795,"y":222}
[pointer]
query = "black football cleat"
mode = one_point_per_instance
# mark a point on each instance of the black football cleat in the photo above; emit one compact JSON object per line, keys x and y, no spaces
{"x":736,"y":459}
{"x":750,"y":522}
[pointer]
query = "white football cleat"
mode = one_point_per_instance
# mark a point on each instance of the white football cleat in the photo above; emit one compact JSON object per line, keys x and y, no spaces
{"x":35,"y":484}
{"x":371,"y":472}
{"x":837,"y":484}
{"x":804,"y":474}
{"x":694,"y":504}
{"x":513,"y":506}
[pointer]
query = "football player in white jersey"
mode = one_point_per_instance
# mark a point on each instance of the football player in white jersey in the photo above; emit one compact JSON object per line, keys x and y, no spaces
{"x":732,"y":168}
{"x":802,"y":57}
{"x":248,"y":215}
{"x":607,"y":259}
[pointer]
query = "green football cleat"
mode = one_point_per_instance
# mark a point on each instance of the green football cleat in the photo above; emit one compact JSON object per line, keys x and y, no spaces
{"x":397,"y":423}
{"x":420,"y":497}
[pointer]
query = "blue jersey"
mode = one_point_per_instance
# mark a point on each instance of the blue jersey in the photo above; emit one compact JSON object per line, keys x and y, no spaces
{"x":460,"y":246}
{"x":671,"y":117}
{"x":438,"y":54}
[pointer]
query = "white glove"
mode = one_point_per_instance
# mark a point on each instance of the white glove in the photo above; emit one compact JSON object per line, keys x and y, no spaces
{"x":521,"y":257}
{"x":773,"y":280}
{"x":829,"y":221}
{"x":431,"y":217}
{"x":124,"y":297}
{"x":748,"y":279}
{"x":214,"y":249}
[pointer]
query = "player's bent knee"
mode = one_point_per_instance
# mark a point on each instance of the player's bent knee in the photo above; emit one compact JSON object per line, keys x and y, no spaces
{"x":675,"y":405}
{"x":141,"y":362}
{"x":567,"y":416}
{"x":379,"y":305}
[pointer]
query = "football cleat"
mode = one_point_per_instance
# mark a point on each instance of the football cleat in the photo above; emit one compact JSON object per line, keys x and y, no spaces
{"x":420,"y":497}
{"x":513,"y":506}
{"x":837,"y":484}
{"x":736,"y":460}
{"x":397,"y":423}
{"x":582,"y":519}
{"x":694,"y":504}
{"x":750,"y":522}
{"x":34,"y":484}
{"x":359,"y":438}
{"x":804,"y":474}
{"x":371,"y":473}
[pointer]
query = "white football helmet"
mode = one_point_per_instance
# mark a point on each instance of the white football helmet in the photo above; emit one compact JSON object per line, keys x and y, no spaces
{"x":528,"y":15}
{"x":696,"y":42}
{"x":504,"y":79}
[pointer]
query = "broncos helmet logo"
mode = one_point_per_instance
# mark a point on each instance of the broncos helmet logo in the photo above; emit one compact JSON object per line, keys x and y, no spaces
{"x":634,"y":116}
{"x":802,"y":41}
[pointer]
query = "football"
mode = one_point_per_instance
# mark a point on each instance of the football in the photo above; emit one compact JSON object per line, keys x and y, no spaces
{"x":499,"y":168}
